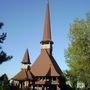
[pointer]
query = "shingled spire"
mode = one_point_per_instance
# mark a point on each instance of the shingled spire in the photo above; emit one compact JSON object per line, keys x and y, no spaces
{"x":47,"y":42}
{"x":47,"y":28}
{"x":26,"y":59}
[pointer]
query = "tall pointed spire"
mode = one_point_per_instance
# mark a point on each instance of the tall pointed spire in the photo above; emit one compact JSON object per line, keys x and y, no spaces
{"x":26,"y":59}
{"x":47,"y":42}
{"x":47,"y":28}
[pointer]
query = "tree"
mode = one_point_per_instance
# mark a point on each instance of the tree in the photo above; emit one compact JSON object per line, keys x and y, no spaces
{"x":4,"y":82}
{"x":78,"y":53}
{"x":71,"y":79}
{"x":3,"y":56}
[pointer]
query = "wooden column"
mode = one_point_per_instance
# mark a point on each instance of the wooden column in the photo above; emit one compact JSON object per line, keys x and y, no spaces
{"x":42,"y":87}
{"x":58,"y":88}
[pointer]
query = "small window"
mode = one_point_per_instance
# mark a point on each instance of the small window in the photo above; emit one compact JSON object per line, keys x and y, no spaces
{"x":54,"y":78}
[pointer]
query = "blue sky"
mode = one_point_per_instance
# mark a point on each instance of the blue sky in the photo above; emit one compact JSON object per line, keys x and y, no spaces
{"x":24,"y":23}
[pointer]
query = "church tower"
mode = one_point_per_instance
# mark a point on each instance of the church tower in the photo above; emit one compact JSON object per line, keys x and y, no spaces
{"x":45,"y":68}
{"x":47,"y":42}
{"x":25,"y":64}
{"x":25,"y":77}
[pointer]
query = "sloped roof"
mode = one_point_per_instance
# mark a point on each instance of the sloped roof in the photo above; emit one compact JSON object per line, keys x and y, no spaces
{"x":47,"y":28}
{"x":26,"y":58}
{"x":49,"y":72}
{"x":24,"y":75}
{"x":44,"y":64}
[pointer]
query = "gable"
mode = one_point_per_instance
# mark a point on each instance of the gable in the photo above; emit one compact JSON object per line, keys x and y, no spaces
{"x":43,"y":64}
{"x":23,"y":75}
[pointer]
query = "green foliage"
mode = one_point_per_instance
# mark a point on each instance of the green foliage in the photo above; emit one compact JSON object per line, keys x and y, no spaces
{"x":3,"y":56}
{"x":78,"y":53}
{"x":72,"y":79}
{"x":4,"y":82}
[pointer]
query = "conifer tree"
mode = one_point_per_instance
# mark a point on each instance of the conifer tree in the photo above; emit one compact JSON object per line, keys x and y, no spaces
{"x":3,"y":55}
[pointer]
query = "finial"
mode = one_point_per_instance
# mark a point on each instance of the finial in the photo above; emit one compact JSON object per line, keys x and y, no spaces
{"x":48,"y":1}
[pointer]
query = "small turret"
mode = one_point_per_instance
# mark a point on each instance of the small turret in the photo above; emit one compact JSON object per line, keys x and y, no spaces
{"x":26,"y":61}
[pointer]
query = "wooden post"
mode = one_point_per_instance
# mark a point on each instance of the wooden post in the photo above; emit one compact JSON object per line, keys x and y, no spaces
{"x":58,"y":88}
{"x":42,"y":87}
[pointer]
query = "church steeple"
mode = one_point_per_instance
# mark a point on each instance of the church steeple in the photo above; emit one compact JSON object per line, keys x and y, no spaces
{"x":47,"y":28}
{"x":26,"y":58}
{"x":26,"y":61}
{"x":47,"y":42}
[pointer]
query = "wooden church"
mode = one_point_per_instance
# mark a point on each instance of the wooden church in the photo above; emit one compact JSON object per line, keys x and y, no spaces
{"x":44,"y":74}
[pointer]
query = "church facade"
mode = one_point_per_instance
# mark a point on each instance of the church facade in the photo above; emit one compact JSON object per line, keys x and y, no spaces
{"x":45,"y":73}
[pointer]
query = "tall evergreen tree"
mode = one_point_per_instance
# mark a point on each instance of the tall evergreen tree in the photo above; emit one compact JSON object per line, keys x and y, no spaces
{"x":78,"y":53}
{"x":3,"y":56}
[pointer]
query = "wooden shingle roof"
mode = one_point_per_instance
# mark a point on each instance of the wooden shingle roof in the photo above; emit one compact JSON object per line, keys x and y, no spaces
{"x":24,"y":75}
{"x":44,"y":63}
{"x":47,"y":27}
{"x":26,"y":58}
